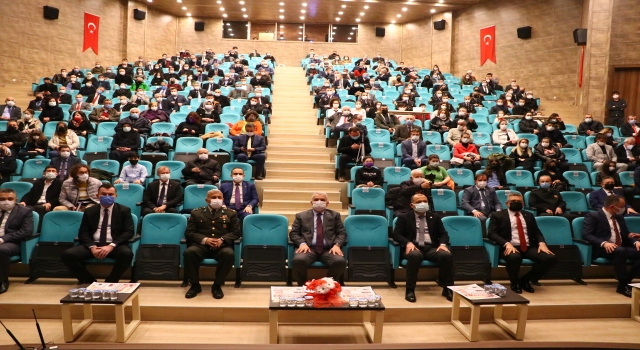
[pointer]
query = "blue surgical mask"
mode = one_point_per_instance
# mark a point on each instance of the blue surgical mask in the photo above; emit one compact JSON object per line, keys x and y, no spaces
{"x":107,"y":201}
{"x":133,"y":115}
{"x":355,"y":137}
{"x":545,"y":185}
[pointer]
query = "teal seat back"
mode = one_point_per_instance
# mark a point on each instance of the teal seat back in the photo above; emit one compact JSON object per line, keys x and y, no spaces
{"x":520,"y":178}
{"x":575,"y":201}
{"x":441,"y":150}
{"x":130,"y":195}
{"x":572,"y":155}
{"x":60,"y":226}
{"x":533,"y":139}
{"x":482,"y":138}
{"x":106,"y":129}
{"x":33,"y":168}
{"x":432,"y":136}
{"x":579,"y":179}
{"x":577,"y":141}
{"x":395,"y":175}
{"x":366,"y":231}
{"x":99,"y":143}
{"x":227,"y":167}
{"x":212,"y":127}
{"x":163,"y":127}
{"x":626,"y":178}
{"x":483,"y":127}
{"x":49,"y":129}
{"x":443,"y":200}
{"x":633,"y":223}
{"x":188,"y":144}
{"x":368,"y":198}
{"x":195,"y":195}
{"x":265,"y":229}
{"x":485,"y":151}
{"x":382,"y":150}
{"x":175,"y":167}
{"x":577,"y":224}
{"x":218,"y":144}
{"x":111,"y":166}
{"x":21,"y":188}
{"x":462,"y":177}
{"x":163,"y":228}
{"x":153,"y":139}
{"x":463,"y":230}
{"x":555,"y":229}
{"x":379,"y":135}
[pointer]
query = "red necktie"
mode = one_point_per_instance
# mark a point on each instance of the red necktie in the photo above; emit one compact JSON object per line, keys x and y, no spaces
{"x":95,"y":99}
{"x":319,"y":234}
{"x":615,"y":229}
{"x":523,"y":240}
{"x":78,"y":107}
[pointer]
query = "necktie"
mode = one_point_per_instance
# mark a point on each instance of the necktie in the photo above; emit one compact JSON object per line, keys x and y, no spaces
{"x":249,"y":146}
{"x":95,"y":99}
{"x":163,"y":192}
{"x":523,"y":241}
{"x":508,"y":138}
{"x":78,"y":107}
{"x":421,"y":222}
{"x":319,"y":234}
{"x":237,"y":195}
{"x":2,"y":218}
{"x":63,"y":170}
{"x":483,"y":195}
{"x":103,"y":228}
{"x":613,"y":220}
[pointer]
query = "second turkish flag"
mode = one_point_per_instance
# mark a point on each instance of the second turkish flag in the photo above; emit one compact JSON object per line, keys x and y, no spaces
{"x":91,"y":29}
{"x":487,"y":44}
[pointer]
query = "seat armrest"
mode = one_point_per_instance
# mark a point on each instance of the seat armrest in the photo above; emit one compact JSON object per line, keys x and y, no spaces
{"x":134,"y":239}
{"x":586,"y":251}
{"x":183,"y":241}
{"x":493,"y":250}
{"x":26,"y":247}
{"x":394,"y":253}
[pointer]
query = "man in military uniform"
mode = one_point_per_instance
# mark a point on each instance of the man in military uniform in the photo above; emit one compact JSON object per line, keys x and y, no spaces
{"x":548,"y":201}
{"x":210,"y":234}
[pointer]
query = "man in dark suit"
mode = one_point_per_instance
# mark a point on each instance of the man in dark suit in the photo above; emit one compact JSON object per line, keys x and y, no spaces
{"x":210,"y":86}
{"x":201,"y":170}
{"x":44,"y":194}
{"x":16,"y":224}
{"x":607,"y":232}
{"x":62,"y":97}
{"x":163,"y":195}
{"x":227,"y":80}
{"x":210,"y":233}
{"x":105,"y":232}
{"x":47,"y":86}
{"x":480,"y":200}
{"x":9,"y":110}
{"x":422,"y":236}
{"x":520,"y":239}
{"x":97,"y":98}
{"x":352,"y":146}
{"x":197,"y":92}
{"x":176,"y":101}
{"x":249,"y":146}
{"x":628,"y":153}
{"x":548,"y":201}
{"x":318,"y":235}
{"x":215,"y":71}
{"x":414,"y":150}
{"x":239,"y":195}
{"x":598,"y":197}
{"x":616,"y":107}
{"x":64,"y":162}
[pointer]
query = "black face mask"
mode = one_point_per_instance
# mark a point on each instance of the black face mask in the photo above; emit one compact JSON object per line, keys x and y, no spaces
{"x":515,"y":206}
{"x":133,"y":162}
{"x":609,"y":186}
{"x":62,"y":129}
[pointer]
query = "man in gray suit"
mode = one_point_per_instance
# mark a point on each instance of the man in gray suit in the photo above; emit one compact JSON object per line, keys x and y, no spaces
{"x":599,"y":152}
{"x":311,"y":226}
{"x":480,"y":200}
{"x":9,"y":110}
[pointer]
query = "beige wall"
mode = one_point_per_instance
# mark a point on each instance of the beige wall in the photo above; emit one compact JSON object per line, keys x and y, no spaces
{"x":547,"y":63}
{"x":153,"y":36}
{"x":625,"y":41}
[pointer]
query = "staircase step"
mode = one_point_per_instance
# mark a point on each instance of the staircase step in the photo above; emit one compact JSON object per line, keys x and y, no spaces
{"x":320,"y":153}
{"x":297,"y":195}
{"x":311,"y":174}
{"x":319,"y":185}
{"x":311,"y":166}
{"x":284,"y":140}
{"x":289,"y":205}
{"x":291,"y":214}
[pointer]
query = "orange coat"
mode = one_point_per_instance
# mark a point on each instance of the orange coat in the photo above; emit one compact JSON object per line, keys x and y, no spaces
{"x":237,"y":129}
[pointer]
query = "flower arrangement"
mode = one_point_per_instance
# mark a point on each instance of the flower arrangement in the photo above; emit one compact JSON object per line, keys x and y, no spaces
{"x":325,"y":292}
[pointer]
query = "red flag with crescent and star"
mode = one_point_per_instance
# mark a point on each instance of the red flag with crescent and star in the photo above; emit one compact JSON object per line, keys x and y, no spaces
{"x":487,"y":44}
{"x":91,"y":28}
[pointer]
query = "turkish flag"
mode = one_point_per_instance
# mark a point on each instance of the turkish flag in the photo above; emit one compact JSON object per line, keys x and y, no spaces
{"x":91,"y":29}
{"x":487,"y":44}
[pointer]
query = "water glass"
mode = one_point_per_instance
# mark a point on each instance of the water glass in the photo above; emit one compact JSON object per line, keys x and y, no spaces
{"x":488,"y":288}
{"x":283,"y":301}
{"x":362,"y":302}
{"x":106,"y":294}
{"x":291,"y":302}
{"x":300,"y":302}
{"x":378,"y":300}
{"x":97,"y":294}
{"x":87,"y":294}
{"x":371,"y":302}
{"x":113,"y":294}
{"x":353,"y":302}
{"x":73,"y":293}
{"x":308,"y":301}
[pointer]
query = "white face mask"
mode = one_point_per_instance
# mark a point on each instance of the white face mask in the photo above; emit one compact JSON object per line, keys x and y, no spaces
{"x":126,"y":129}
{"x":600,"y":144}
{"x":83,"y":177}
{"x":549,"y":128}
{"x":460,"y":127}
{"x":503,"y":127}
{"x":154,"y":108}
{"x":545,"y":144}
{"x":524,"y":145}
{"x":50,"y":176}
{"x":528,"y":117}
{"x":238,"y":178}
{"x":418,"y":181}
{"x":165,"y":177}
{"x":612,"y":168}
{"x":464,"y":140}
{"x":481,"y":184}
{"x":7,"y":205}
{"x":215,"y":203}
{"x":319,"y":205}
{"x":629,"y":147}
{"x":422,"y":207}
{"x":434,"y":164}
{"x":65,"y":155}
{"x":203,"y":156}
{"x":415,"y":138}
{"x":52,"y":104}
{"x":249,"y":133}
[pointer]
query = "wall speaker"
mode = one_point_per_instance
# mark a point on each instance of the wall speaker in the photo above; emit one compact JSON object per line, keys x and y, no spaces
{"x":580,"y":36}
{"x":439,"y":25}
{"x":380,"y":31}
{"x":524,"y":33}
{"x":51,"y":12}
{"x":139,"y":15}
{"x":199,"y":26}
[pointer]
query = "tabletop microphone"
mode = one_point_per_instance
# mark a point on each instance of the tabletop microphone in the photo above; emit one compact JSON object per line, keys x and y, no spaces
{"x":44,"y":346}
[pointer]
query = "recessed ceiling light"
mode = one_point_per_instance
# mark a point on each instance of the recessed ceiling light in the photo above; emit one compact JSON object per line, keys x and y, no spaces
{"x":366,"y":7}
{"x":441,"y":1}
{"x":301,"y":17}
{"x":281,"y":10}
{"x":282,"y":26}
{"x":404,"y":9}
{"x":433,"y":11}
{"x":245,"y":16}
{"x":149,"y":0}
{"x":241,"y":2}
{"x":230,"y":29}
{"x":228,"y":24}
{"x":188,"y":14}
{"x":299,"y":38}
{"x":350,"y":33}
{"x":357,"y":19}
{"x":354,"y":28}
{"x":179,"y":0}
{"x":224,"y":15}
{"x":344,"y":6}
{"x":231,"y":34}
{"x":184,"y":7}
{"x":303,"y":11}
{"x":340,"y":12}
{"x":221,"y":9}
{"x":361,"y":13}
{"x":337,"y":18}
{"x":282,"y":4}
{"x":281,"y":17}
{"x":349,"y":38}
{"x":300,"y":27}
{"x":394,"y":21}
{"x":299,"y":32}
{"x":398,"y":15}
{"x":243,"y":9}
{"x":281,"y":32}
{"x":218,"y":2}
{"x":304,"y":4}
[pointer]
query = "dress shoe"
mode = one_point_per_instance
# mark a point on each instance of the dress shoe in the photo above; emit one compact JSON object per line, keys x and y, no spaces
{"x":526,"y":285}
{"x":193,"y":292}
{"x":410,"y":296}
{"x":216,"y":290}
{"x":4,"y":287}
{"x":516,"y":288}
{"x":447,"y":293}
{"x":624,"y":290}
{"x":185,"y":283}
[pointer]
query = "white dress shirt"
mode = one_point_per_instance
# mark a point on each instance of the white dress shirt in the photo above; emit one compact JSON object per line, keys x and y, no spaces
{"x":4,"y":222}
{"x":612,"y":238}
{"x":43,"y":196}
{"x":515,"y":238}
{"x":232,"y":201}
{"x":96,"y":235}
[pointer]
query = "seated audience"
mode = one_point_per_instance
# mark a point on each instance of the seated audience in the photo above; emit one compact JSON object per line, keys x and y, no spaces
{"x":548,"y":201}
{"x":368,"y":175}
{"x":80,"y":105}
{"x":124,"y":142}
{"x":250,"y":146}
{"x":495,"y":175}
{"x":352,"y":148}
{"x":28,"y":123}
{"x":140,"y":125}
{"x":628,"y":153}
{"x":8,"y":164}
{"x":550,"y":168}
{"x":17,"y":227}
{"x":191,"y":127}
{"x":414,"y":150}
{"x":436,"y":174}
{"x":480,"y":200}
{"x":466,"y":153}
{"x":503,"y":136}
{"x":79,"y":191}
{"x":590,"y":127}
{"x":134,"y":172}
{"x":9,"y":110}
{"x":106,"y":113}
{"x":51,"y":111}
{"x":528,"y":125}
{"x":598,"y":197}
{"x":455,"y":134}
{"x":154,"y":114}
{"x":599,"y":152}
{"x":555,"y":136}
{"x":386,"y":121}
{"x":63,"y":137}
{"x":239,"y":195}
{"x":80,"y":124}
{"x":523,"y":156}
{"x":162,"y":195}
{"x":441,"y":122}
{"x":210,"y":234}
{"x":64,"y":161}
{"x":37,"y":145}
{"x":13,"y":138}
{"x":546,"y":150}
{"x":44,"y":195}
{"x":201,"y":170}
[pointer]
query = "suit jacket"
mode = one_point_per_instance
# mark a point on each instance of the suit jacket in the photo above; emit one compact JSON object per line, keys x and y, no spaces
{"x":621,"y":153}
{"x":215,"y":72}
{"x":194,"y":93}
{"x":52,"y":196}
{"x":15,"y":112}
{"x":249,"y":194}
{"x":96,"y":112}
{"x":227,"y":82}
{"x":125,"y":108}
{"x":596,"y":127}
{"x":101,"y":99}
{"x":407,"y":149}
{"x":57,"y":161}
{"x":241,"y":141}
{"x":381,"y":123}
{"x":303,"y":228}
{"x":173,"y":101}
{"x":595,"y":154}
{"x":214,"y":86}
{"x":84,"y":106}
{"x":64,"y":99}
{"x":121,"y":225}
{"x":543,"y":200}
{"x":500,"y":228}
{"x":206,"y":223}
{"x":406,"y":232}
{"x":596,"y":229}
{"x":597,"y":197}
{"x":173,"y":195}
{"x":471,"y":199}
{"x":19,"y":225}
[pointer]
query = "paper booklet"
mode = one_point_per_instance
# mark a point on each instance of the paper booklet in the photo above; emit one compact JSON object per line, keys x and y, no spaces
{"x":473,"y":292}
{"x":124,"y":288}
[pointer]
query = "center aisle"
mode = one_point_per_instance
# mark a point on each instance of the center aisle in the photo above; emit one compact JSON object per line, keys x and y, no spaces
{"x":298,"y":164}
